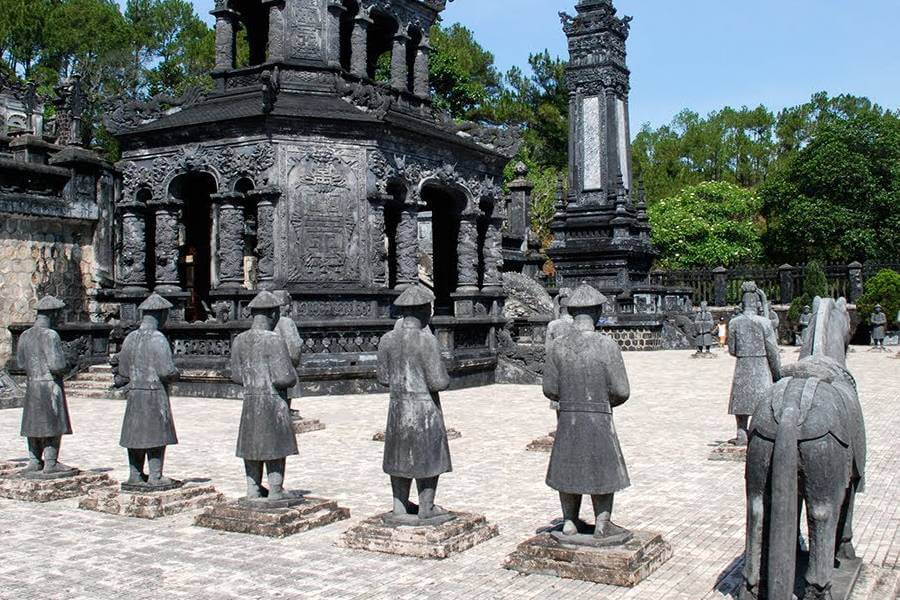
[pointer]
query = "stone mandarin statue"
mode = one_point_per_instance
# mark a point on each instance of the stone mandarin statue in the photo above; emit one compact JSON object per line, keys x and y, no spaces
{"x":585,"y":373}
{"x":751,"y":339}
{"x":805,"y":318}
{"x":879,"y":326}
{"x":704,"y":328}
{"x":146,"y":363}
{"x":287,"y":329}
{"x":261,"y":362}
{"x":416,"y":447}
{"x":45,"y":415}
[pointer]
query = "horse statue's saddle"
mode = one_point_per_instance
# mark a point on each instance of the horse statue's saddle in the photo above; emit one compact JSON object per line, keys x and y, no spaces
{"x":822,"y":410}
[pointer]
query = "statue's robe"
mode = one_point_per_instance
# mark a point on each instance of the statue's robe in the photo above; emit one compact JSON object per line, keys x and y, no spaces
{"x":287,"y":329}
{"x":555,"y":330}
{"x":752,"y":340}
{"x":261,"y":362}
{"x":704,"y":325}
{"x":45,"y":412}
{"x":146,"y":363}
{"x":586,"y":374}
{"x":879,"y":326}
{"x":409,"y":362}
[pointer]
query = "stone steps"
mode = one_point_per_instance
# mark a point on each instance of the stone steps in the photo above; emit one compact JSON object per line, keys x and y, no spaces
{"x":95,"y":383}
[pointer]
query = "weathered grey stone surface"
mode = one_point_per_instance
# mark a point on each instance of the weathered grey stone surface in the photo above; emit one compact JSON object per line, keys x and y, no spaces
{"x":19,"y":487}
{"x":452,"y":434}
{"x":803,"y":324}
{"x":459,"y":533}
{"x":152,"y":504}
{"x":624,"y":565}
{"x":704,"y":329}
{"x":302,"y":425}
{"x":9,"y":467}
{"x":258,"y":518}
{"x":728,"y":452}
{"x":878,"y":320}
{"x":542,"y":444}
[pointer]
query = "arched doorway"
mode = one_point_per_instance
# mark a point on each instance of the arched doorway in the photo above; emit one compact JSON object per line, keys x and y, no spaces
{"x":438,"y":238}
{"x":195,"y":256}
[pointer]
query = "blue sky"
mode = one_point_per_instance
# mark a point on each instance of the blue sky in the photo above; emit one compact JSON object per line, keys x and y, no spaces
{"x":705,"y":54}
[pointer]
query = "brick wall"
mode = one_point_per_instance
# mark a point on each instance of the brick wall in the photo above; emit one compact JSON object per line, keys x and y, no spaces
{"x":38,"y":257}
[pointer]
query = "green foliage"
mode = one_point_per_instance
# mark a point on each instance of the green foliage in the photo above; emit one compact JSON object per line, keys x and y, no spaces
{"x":707,"y":225}
{"x":883,"y":289}
{"x":462,"y":73}
{"x":815,"y":283}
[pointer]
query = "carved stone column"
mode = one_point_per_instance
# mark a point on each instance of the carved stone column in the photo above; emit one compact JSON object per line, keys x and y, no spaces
{"x":133,"y":262}
{"x":359,"y":54}
{"x":231,"y":239}
{"x":421,"y":81}
{"x":467,"y":254}
{"x":265,"y":200}
{"x":408,"y":247}
{"x":167,"y":213}
{"x":493,"y":254}
{"x":225,"y":38}
{"x":276,"y":29}
{"x":399,"y":66}
{"x":336,"y":11}
{"x":379,"y":240}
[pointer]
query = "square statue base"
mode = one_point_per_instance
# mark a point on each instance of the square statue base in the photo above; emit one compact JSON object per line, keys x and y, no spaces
{"x":457,"y":533}
{"x":452,"y":434}
{"x":625,"y":565}
{"x":302,"y":425}
{"x":18,"y":486}
{"x":542,"y":444}
{"x":277,"y":519}
{"x":729,"y":452}
{"x":148,"y":504}
{"x":10,"y":467}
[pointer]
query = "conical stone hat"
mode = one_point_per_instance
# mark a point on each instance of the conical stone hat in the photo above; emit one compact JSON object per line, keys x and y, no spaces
{"x":264,"y":301}
{"x":155,"y":302}
{"x":414,"y":296}
{"x":50,"y":303}
{"x":586,"y":296}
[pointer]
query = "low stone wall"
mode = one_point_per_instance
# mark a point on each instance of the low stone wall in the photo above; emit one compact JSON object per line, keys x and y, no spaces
{"x":38,"y":257}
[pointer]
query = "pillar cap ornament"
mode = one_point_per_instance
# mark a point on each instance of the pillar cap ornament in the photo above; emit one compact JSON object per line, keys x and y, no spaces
{"x":227,"y":197}
{"x":263,"y":194}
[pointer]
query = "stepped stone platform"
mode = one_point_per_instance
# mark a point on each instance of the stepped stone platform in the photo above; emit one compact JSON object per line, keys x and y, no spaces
{"x":19,"y":486}
{"x":542,"y":444}
{"x":302,"y":425}
{"x":452,"y":434}
{"x":95,"y":383}
{"x":9,"y":467}
{"x":186,"y":496}
{"x":728,"y":452}
{"x":624,"y":565}
{"x":277,"y":519}
{"x":443,"y":536}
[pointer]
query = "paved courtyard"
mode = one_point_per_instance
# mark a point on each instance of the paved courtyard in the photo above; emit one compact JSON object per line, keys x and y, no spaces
{"x":676,"y":411}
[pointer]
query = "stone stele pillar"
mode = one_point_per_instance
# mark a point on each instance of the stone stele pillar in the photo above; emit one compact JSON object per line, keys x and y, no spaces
{"x":167,"y":213}
{"x":133,"y":262}
{"x":230,"y":252}
{"x":265,"y":199}
{"x":467,"y":254}
{"x":336,"y":11}
{"x":359,"y":54}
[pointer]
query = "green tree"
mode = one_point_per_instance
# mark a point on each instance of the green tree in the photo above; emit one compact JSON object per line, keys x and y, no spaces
{"x":707,"y":225}
{"x":815,"y":283}
{"x":883,"y":289}
{"x":462,"y":73}
{"x":837,"y":198}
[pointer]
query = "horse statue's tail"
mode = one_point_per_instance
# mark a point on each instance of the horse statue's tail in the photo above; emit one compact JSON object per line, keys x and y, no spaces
{"x":783,"y":504}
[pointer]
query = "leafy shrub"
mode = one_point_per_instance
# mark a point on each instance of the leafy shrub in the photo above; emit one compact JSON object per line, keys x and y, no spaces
{"x":814,"y":284}
{"x":883,"y":289}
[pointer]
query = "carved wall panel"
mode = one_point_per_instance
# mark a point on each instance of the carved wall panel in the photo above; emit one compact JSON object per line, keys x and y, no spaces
{"x":305,"y":26}
{"x":326,"y":197}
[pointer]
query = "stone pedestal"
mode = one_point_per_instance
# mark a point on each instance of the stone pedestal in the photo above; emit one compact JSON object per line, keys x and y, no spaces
{"x":452,"y":434}
{"x":17,"y":486}
{"x":10,"y":467}
{"x":450,"y":534}
{"x":729,"y":452}
{"x":302,"y":425}
{"x":278,"y":519}
{"x":624,"y":565}
{"x":542,"y":444}
{"x":149,"y":504}
{"x":704,"y":355}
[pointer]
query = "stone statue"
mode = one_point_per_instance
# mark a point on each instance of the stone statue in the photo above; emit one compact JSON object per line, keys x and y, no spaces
{"x":704,"y":329}
{"x":774,"y":319}
{"x":416,"y":447}
{"x":805,"y":318}
{"x":807,"y":443}
{"x":287,"y":329}
{"x":738,"y":311}
{"x":751,"y":339}
{"x":878,"y":320}
{"x":585,"y":373}
{"x":261,"y":362}
{"x":45,"y":415}
{"x":146,"y":363}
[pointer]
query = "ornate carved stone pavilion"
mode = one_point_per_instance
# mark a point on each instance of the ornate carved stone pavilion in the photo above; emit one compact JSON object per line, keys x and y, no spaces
{"x":601,"y":229}
{"x":320,"y":167}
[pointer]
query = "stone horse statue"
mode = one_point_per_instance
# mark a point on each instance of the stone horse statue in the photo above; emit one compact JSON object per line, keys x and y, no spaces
{"x":807,"y":443}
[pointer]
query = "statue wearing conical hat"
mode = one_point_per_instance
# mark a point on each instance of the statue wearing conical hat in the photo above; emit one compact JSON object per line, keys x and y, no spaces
{"x":45,"y":414}
{"x":878,"y":320}
{"x":261,"y":362}
{"x":146,"y":364}
{"x":704,"y":328}
{"x":416,"y":447}
{"x":752,"y":340}
{"x":803,"y":323}
{"x":585,"y":373}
